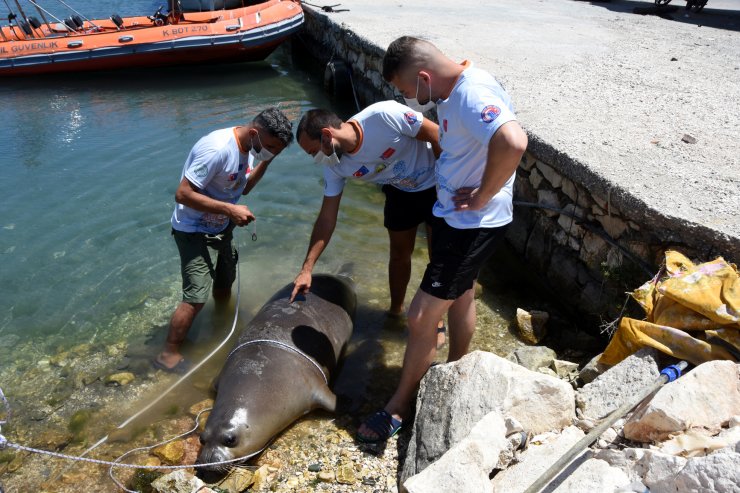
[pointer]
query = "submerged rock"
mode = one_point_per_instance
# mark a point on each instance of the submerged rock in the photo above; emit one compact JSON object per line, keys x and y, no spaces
{"x":170,"y":453}
{"x":119,"y":379}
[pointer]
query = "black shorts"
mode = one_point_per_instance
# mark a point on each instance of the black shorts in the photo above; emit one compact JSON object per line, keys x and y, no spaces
{"x":406,"y":210}
{"x":457,"y":256}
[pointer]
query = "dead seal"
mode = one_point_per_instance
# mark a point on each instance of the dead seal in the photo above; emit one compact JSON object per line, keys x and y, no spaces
{"x":279,"y":369}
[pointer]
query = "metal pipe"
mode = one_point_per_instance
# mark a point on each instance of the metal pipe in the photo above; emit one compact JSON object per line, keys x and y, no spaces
{"x":11,"y":15}
{"x":668,"y":374}
{"x":25,"y":19}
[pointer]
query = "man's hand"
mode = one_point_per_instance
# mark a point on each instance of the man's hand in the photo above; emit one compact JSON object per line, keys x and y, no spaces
{"x":469,"y":199}
{"x":240,"y":215}
{"x":302,"y":284}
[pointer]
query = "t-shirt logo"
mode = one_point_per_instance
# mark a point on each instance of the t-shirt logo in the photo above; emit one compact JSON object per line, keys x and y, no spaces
{"x":490,"y":113}
{"x":410,"y":117}
{"x":361,"y":172}
{"x":201,"y":171}
{"x":444,"y":124}
{"x":233,"y":176}
{"x":387,"y":153}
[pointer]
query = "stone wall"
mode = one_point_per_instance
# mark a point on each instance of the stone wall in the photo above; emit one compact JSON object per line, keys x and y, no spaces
{"x":589,"y":240}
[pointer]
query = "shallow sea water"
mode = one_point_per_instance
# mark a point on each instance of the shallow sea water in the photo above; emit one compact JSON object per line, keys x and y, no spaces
{"x":90,"y":274}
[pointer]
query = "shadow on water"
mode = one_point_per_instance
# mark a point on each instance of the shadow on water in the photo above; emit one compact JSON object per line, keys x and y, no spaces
{"x":709,"y":16}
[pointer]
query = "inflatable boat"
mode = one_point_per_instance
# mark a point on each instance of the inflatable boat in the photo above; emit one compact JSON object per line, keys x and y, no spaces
{"x":30,"y":46}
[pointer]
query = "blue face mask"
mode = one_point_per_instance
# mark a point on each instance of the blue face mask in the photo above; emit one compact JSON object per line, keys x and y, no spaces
{"x":263,"y":154}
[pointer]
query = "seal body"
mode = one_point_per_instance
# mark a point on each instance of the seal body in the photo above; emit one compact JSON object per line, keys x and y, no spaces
{"x":279,"y":368}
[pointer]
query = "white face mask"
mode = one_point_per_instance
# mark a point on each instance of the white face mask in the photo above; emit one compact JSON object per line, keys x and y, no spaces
{"x":414,"y":103}
{"x":263,"y":154}
{"x":321,"y":158}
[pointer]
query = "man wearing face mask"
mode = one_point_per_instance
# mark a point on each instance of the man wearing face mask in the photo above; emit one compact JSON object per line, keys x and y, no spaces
{"x":221,"y":167}
{"x":386,"y":143}
{"x":482,"y":145}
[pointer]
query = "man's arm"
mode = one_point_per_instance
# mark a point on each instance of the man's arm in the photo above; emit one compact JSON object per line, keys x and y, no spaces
{"x":429,"y":132}
{"x":256,"y":175}
{"x":505,"y":150}
{"x":323,"y":228}
{"x":189,"y":195}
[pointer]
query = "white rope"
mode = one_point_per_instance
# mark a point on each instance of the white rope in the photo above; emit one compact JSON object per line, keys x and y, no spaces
{"x":190,"y":372}
{"x":284,"y":346}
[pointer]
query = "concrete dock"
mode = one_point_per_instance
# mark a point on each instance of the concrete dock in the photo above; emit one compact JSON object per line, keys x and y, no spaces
{"x":604,"y":91}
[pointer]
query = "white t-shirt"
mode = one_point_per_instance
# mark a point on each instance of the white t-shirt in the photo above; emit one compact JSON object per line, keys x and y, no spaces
{"x":218,"y":167}
{"x":388,"y":152}
{"x":468,"y":118}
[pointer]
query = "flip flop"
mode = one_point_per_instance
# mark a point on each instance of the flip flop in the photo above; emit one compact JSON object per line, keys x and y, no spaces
{"x":180,"y":368}
{"x":383,"y":425}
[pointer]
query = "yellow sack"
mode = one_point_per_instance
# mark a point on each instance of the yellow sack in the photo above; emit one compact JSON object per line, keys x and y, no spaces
{"x":636,"y":334}
{"x":711,"y":289}
{"x":704,"y":299}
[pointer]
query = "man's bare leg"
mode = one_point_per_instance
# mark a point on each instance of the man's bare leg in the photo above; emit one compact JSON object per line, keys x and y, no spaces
{"x":399,"y":266}
{"x":180,"y":323}
{"x":461,"y":317}
{"x":424,"y":313}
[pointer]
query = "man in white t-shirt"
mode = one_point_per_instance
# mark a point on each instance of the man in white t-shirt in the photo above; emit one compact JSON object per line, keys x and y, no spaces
{"x":482,"y":145}
{"x":386,"y":143}
{"x":219,"y":169}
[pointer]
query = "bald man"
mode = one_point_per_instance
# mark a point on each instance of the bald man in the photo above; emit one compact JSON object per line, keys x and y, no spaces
{"x":482,"y":145}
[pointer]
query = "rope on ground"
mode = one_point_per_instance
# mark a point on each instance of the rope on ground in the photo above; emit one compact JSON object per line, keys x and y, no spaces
{"x":4,"y":443}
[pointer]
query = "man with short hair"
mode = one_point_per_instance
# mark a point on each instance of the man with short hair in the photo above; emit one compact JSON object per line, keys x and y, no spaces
{"x":219,"y":169}
{"x":386,"y":143}
{"x":482,"y":145}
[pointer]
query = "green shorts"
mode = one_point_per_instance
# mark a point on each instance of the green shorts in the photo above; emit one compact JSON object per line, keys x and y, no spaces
{"x":197,"y":252}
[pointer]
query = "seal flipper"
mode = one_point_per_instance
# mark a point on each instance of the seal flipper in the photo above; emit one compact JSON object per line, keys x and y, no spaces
{"x":324,"y":398}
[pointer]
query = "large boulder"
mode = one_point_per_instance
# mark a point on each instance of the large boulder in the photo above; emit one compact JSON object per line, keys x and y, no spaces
{"x":454,"y":397}
{"x":618,"y":384}
{"x":467,"y":465}
{"x":706,"y":397}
